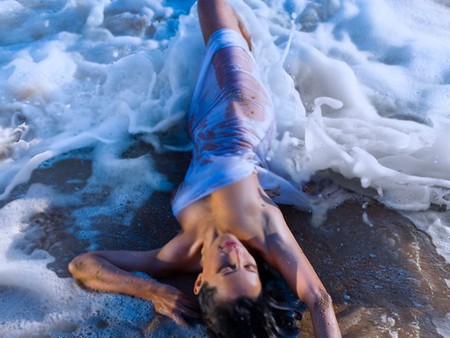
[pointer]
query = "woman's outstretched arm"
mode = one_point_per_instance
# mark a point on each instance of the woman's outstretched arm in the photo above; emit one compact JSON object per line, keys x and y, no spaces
{"x":288,"y":258}
{"x":112,"y":271}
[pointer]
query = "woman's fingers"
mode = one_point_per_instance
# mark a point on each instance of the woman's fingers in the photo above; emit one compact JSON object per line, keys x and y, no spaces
{"x":190,"y":313}
{"x":188,"y":308}
{"x":193,"y":305}
{"x":172,"y":303}
{"x":178,"y":318}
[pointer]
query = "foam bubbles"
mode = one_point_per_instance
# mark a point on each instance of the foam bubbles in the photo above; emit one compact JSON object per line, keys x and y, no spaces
{"x":442,"y":325}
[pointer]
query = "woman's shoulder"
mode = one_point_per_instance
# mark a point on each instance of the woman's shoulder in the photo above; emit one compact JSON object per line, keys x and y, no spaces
{"x":182,"y":252}
{"x":192,"y":216}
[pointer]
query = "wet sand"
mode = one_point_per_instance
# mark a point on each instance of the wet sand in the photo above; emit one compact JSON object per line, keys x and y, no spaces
{"x":386,"y":278}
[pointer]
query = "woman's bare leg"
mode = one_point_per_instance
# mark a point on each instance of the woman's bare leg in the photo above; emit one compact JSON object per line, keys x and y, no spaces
{"x":217,"y":14}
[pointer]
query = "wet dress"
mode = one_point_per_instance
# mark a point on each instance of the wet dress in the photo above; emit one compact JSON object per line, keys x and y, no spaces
{"x":231,"y":122}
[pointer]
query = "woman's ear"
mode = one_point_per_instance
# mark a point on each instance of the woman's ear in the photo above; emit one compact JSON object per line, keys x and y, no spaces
{"x":198,"y":283}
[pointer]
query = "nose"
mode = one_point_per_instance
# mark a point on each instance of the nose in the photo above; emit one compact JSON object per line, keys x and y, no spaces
{"x":235,"y":253}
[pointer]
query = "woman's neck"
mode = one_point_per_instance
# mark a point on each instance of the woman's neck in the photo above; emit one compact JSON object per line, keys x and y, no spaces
{"x":209,"y":235}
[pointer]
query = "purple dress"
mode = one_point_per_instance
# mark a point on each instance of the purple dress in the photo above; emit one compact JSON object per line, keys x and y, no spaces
{"x":232,"y":124}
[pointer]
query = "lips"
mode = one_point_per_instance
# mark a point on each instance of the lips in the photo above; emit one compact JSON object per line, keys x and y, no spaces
{"x":230,"y":244}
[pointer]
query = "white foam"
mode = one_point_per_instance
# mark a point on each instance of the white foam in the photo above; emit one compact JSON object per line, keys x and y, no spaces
{"x":436,"y":225}
{"x":442,"y":325}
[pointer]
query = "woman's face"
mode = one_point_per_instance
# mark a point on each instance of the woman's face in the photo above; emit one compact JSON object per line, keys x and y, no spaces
{"x":228,"y":265}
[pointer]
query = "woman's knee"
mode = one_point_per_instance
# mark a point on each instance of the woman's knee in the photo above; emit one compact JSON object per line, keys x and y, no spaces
{"x":217,"y":14}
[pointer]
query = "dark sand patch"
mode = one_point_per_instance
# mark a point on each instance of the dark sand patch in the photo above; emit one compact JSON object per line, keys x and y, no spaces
{"x":384,"y":278}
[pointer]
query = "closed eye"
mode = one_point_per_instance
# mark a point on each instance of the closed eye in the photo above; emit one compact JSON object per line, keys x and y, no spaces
{"x":251,"y":268}
{"x":226,"y":268}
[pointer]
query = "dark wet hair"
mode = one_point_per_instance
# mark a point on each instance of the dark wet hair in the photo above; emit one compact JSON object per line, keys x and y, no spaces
{"x":269,"y":315}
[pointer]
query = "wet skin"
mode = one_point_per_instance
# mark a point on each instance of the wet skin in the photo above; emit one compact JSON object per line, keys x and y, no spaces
{"x":229,"y":266}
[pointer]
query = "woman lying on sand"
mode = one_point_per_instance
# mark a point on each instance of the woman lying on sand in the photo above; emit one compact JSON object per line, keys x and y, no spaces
{"x":222,"y":207}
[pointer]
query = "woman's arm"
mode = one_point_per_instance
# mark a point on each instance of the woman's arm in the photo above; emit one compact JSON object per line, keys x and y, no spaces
{"x":112,"y":271}
{"x":288,"y":258}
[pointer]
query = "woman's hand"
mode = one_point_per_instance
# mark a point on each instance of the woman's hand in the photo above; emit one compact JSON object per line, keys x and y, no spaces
{"x":96,"y":271}
{"x":171,"y":302}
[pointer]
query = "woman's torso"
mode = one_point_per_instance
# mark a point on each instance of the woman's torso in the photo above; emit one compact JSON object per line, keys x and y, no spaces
{"x":242,"y":209}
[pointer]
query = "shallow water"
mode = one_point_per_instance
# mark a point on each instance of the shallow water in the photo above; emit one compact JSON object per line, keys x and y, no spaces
{"x":93,"y":96}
